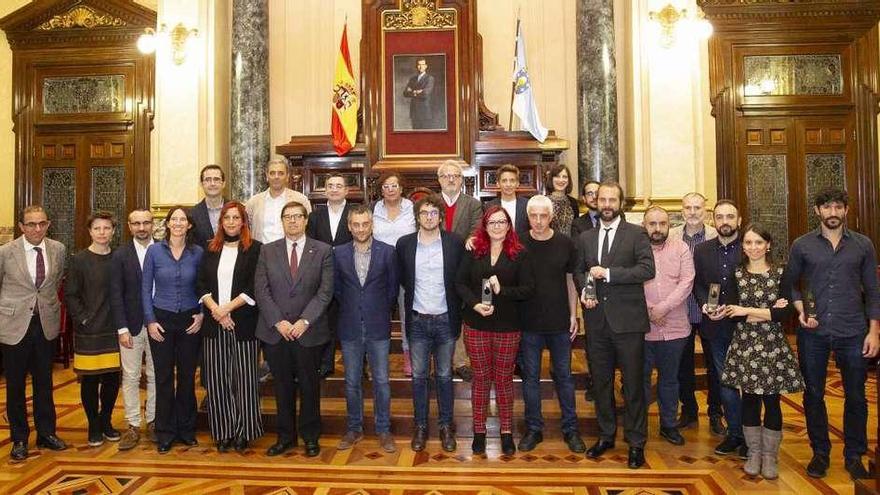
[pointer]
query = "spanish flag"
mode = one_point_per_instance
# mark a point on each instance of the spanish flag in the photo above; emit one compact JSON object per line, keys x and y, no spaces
{"x":345,"y":100}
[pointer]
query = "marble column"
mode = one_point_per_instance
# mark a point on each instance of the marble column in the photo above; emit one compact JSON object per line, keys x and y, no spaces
{"x":597,"y":91}
{"x":249,"y":109}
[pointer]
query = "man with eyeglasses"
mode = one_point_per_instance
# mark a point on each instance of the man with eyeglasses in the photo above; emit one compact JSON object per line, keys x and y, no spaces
{"x":293,"y":285}
{"x":264,"y":209}
{"x":428,"y":259}
{"x":461,"y":216}
{"x":206,"y":213}
{"x":128,"y":315}
{"x":329,"y":225}
{"x":31,"y":267}
{"x":589,"y":219}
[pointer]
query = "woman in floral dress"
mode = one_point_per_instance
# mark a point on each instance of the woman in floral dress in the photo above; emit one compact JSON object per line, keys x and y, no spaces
{"x":759,"y":360}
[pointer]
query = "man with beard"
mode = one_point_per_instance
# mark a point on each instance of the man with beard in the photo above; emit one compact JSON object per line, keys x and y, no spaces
{"x":617,"y":257}
{"x":715,"y":262}
{"x":838,"y":267}
{"x":589,"y":219}
{"x":692,"y":232}
{"x":666,"y":296}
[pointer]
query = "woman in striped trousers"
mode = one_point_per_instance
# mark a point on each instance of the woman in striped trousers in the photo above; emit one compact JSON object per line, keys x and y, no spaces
{"x":231,"y":371}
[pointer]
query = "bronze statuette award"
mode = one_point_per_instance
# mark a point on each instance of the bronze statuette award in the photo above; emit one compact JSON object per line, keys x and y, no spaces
{"x":714,"y":297}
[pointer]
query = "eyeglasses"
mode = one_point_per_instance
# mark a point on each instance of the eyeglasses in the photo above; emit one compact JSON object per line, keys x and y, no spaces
{"x":429,"y":213}
{"x":450,"y":176}
{"x":497,"y":223}
{"x":390,"y":187}
{"x":591,"y":193}
{"x":292,"y":216}
{"x":36,"y":225}
{"x":334,"y":186}
{"x":216,"y":180}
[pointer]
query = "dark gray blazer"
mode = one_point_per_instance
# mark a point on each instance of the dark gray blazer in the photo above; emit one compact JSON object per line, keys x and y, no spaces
{"x":468,"y":212}
{"x":631,"y":263}
{"x":202,"y":231}
{"x":280,"y":297}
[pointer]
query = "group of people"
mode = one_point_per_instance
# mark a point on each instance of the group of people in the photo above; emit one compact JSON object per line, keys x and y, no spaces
{"x":479,"y":291}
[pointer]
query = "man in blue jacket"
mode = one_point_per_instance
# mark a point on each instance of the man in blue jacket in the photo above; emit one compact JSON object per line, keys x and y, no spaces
{"x":366,"y":286}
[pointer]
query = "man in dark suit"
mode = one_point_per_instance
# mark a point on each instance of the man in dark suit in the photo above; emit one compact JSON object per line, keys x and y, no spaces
{"x":293,"y":286}
{"x":428,"y":260}
{"x":31,"y":267}
{"x":420,"y":91}
{"x":330,"y":226}
{"x":128,"y":315}
{"x":715,"y":261}
{"x":366,"y":286}
{"x":589,"y":219}
{"x":206,"y":213}
{"x":515,"y":206}
{"x":461,"y":216}
{"x":617,"y":257}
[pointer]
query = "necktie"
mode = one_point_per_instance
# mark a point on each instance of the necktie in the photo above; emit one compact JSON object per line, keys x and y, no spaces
{"x":606,"y":246}
{"x":294,"y":263}
{"x":41,"y":268}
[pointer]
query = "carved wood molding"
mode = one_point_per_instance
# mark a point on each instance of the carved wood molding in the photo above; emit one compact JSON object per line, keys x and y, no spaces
{"x":419,"y":14}
{"x":735,"y":14}
{"x":81,"y":17}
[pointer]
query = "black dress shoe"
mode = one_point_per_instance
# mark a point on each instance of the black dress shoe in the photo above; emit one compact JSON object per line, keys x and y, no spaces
{"x":50,"y":442}
{"x":312,"y":448}
{"x":716,"y":425}
{"x":636,"y":458}
{"x":818,"y":466}
{"x":599,"y":448}
{"x":324,"y":372}
{"x":241,"y":444}
{"x":856,"y":469}
{"x":224,"y":445}
{"x":687,"y":421}
{"x":672,"y":436}
{"x":507,"y":445}
{"x":478,"y":446}
{"x":279,"y":448}
{"x":419,"y":438}
{"x":19,"y":451}
{"x":164,"y":447}
{"x":189,"y":442}
{"x":447,"y":438}
{"x":574,"y":442}
{"x":530,"y":440}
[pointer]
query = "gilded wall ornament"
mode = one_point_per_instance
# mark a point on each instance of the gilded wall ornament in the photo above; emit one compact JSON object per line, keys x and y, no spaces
{"x":418,"y":14}
{"x":80,"y":17}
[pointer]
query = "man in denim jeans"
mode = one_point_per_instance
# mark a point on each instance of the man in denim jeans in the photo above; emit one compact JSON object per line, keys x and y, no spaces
{"x":837,"y":270}
{"x":427,"y":260}
{"x":366,"y":286}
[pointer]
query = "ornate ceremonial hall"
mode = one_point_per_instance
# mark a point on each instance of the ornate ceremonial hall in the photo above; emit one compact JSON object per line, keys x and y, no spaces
{"x":119,"y":105}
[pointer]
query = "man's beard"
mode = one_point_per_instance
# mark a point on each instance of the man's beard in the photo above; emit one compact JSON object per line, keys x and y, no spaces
{"x":658,"y":238}
{"x":832,"y":222}
{"x":609,"y":214}
{"x":727,"y":231}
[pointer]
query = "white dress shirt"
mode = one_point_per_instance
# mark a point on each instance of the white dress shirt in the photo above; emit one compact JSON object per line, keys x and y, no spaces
{"x":335,"y":218}
{"x":510,"y":208}
{"x":225,"y":270}
{"x":610,"y":234}
{"x":300,"y":243}
{"x":272,"y":227}
{"x":31,"y":255}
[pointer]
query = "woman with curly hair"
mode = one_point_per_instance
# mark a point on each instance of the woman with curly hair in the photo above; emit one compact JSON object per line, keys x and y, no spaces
{"x":492,"y":331}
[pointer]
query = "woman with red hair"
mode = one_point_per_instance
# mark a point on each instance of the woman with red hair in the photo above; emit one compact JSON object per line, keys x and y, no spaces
{"x":230,"y":369}
{"x":491,"y":331}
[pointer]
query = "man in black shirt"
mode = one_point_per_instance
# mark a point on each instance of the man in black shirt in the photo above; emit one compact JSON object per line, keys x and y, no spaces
{"x":549,"y":320}
{"x":838,"y":269}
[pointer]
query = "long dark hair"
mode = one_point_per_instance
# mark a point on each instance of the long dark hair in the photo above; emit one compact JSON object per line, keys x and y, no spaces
{"x":764,"y":234}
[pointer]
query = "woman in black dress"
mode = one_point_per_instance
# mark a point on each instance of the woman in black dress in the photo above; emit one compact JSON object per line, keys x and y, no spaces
{"x":231,"y":369}
{"x":565,"y":208}
{"x":96,"y":346}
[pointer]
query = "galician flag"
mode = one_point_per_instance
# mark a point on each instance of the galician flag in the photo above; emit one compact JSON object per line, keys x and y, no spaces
{"x":345,"y":100}
{"x":523,"y":101}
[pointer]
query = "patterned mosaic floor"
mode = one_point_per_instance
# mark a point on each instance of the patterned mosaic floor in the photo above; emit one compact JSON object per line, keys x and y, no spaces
{"x":366,"y":469}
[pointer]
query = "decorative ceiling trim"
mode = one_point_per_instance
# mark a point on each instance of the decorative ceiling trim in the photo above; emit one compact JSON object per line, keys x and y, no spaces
{"x":81,"y":17}
{"x":418,"y":14}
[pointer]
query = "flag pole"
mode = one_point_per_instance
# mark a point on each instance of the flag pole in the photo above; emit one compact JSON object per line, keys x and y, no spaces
{"x":513,"y":83}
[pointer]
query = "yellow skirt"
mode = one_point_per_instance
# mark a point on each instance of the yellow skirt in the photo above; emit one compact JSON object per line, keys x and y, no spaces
{"x":93,"y":364}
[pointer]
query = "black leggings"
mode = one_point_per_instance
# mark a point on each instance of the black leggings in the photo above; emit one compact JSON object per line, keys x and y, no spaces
{"x":108,"y":383}
{"x":751,"y":411}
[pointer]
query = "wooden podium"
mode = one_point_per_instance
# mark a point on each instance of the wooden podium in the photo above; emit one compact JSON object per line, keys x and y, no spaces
{"x":442,"y":33}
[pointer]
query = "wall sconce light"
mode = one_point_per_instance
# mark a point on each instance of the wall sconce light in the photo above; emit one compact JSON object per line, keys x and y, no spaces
{"x":178,"y":40}
{"x":673,"y":21}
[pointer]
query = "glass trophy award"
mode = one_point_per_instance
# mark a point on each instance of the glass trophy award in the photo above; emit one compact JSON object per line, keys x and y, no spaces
{"x":486,"y":293}
{"x":809,"y":302}
{"x":714,"y":297}
{"x":589,"y":291}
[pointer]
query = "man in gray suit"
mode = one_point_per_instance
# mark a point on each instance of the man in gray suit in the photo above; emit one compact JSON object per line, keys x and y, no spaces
{"x":462,"y":216}
{"x":293,"y":286}
{"x":31,"y":267}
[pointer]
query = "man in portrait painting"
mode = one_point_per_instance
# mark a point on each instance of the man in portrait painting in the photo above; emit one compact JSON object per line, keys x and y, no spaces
{"x":419,"y":90}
